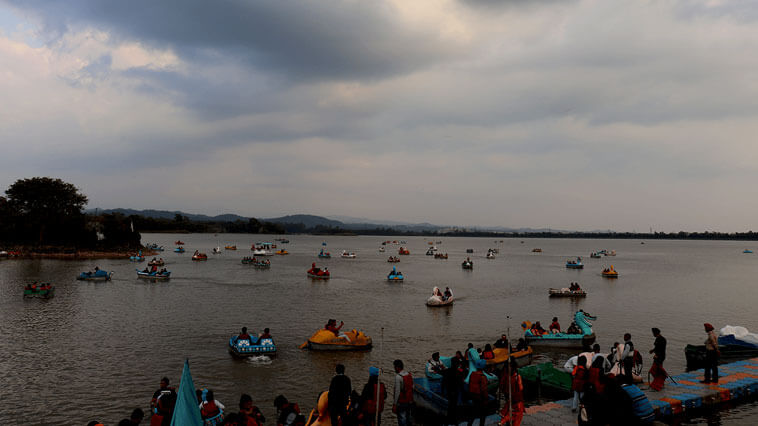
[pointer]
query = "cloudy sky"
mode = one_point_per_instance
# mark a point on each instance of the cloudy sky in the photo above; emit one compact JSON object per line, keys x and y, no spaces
{"x":568,"y":114}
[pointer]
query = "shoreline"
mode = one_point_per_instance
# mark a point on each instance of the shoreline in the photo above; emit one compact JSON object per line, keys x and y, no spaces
{"x":79,"y":254}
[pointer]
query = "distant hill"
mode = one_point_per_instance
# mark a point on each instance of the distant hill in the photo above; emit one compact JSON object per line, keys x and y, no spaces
{"x":310,"y":221}
{"x":165,"y":214}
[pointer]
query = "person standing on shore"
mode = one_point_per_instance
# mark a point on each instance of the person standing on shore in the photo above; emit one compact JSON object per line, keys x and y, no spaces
{"x":403,"y":397}
{"x":369,"y":402}
{"x":659,"y":355}
{"x":711,"y":355}
{"x":627,"y":359}
{"x":339,"y":395}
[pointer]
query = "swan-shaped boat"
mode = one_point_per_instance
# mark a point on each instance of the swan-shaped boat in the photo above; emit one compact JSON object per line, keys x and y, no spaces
{"x":610,"y":273}
{"x":324,"y":254}
{"x":137,"y":257}
{"x":348,"y":255}
{"x":395,"y":275}
{"x":318,"y":273}
{"x":439,"y":299}
{"x":199,"y":256}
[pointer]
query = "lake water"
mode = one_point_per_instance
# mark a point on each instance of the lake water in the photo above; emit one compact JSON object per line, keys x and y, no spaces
{"x":98,"y":350}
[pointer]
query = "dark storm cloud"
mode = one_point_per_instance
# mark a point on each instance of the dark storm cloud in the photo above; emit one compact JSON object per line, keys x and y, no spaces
{"x":326,"y":39}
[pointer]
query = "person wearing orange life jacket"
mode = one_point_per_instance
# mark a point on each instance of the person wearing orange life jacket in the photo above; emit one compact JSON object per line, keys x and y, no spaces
{"x":512,"y":414}
{"x":162,"y":404}
{"x":369,"y":404}
{"x":210,"y":408}
{"x":403,"y":396}
{"x":555,"y":327}
{"x":287,"y":413}
{"x":477,"y":389}
{"x":578,"y":381}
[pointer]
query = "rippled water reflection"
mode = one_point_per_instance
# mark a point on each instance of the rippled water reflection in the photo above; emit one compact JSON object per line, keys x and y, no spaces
{"x":97,"y":350}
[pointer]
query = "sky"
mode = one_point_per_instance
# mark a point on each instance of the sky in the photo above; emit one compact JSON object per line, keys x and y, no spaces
{"x":568,"y":114}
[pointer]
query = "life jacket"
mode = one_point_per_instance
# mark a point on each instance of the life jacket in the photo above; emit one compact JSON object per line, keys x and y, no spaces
{"x":517,"y":388}
{"x":488,"y":355}
{"x":594,"y":378}
{"x":477,"y":385}
{"x":636,"y":357}
{"x":579,"y":378}
{"x":406,"y":394}
{"x":209,"y":409}
{"x":369,"y":405}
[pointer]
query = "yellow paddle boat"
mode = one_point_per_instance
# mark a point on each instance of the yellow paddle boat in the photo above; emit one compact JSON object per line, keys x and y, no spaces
{"x":522,"y":357}
{"x":325,"y":340}
{"x":610,"y":272}
{"x":282,"y":251}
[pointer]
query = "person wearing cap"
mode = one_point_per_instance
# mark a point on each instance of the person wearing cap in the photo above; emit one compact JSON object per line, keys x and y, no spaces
{"x":369,"y":403}
{"x":711,"y":355}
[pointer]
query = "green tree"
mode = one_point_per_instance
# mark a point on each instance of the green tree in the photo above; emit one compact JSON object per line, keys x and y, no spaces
{"x":43,"y":203}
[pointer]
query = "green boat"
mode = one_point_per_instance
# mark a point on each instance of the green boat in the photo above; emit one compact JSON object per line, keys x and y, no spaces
{"x":43,"y":293}
{"x":546,"y":377}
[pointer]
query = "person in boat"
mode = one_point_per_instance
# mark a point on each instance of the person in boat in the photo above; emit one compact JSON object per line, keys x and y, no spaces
{"x":314,"y":270}
{"x":265,"y":335}
{"x":555,"y":327}
{"x":711,"y":355}
{"x":537,"y":329}
{"x":435,"y":365}
{"x":154,"y":268}
{"x":146,"y":270}
{"x":487,"y":353}
{"x":209,"y":407}
{"x":331,"y":325}
{"x":573,"y":329}
{"x":196,"y":253}
{"x":659,"y":355}
{"x":340,"y":389}
{"x":512,"y":387}
{"x":287,"y":413}
{"x":369,"y":403}
{"x":437,"y":292}
{"x":502,"y":342}
{"x":244,"y":336}
{"x":448,"y":294}
{"x":521,"y":345}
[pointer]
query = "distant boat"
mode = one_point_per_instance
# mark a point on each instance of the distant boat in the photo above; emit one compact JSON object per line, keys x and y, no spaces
{"x":747,"y":251}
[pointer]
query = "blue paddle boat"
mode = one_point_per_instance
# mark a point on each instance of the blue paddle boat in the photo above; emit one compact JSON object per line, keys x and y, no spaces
{"x":179,"y":250}
{"x":98,"y":275}
{"x":747,"y":251}
{"x":585,"y":338}
{"x":324,"y":254}
{"x":244,"y":348}
{"x":575,"y":264}
{"x":155,"y":247}
{"x":395,"y":275}
{"x":155,"y":276}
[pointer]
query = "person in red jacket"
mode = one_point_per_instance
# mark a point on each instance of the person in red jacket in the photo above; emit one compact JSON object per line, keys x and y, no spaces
{"x":369,"y":403}
{"x":403,"y":398}
{"x":512,"y":414}
{"x":477,"y":389}
{"x":578,"y":381}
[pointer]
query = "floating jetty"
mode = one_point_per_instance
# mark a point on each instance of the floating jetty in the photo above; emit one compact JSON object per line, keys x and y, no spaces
{"x":737,"y":380}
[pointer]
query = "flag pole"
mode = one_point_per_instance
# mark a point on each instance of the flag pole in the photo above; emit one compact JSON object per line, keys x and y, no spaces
{"x":379,"y":380}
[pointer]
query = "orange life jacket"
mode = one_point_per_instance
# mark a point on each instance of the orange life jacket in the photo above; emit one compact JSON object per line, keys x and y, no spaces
{"x":209,"y":409}
{"x":406,"y":395}
{"x":477,"y":385}
{"x":369,"y":405}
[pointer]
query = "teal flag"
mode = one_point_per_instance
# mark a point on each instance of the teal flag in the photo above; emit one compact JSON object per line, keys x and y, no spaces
{"x":187,"y":410}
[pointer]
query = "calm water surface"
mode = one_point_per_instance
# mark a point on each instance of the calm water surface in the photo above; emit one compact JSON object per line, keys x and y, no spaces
{"x":98,"y":350}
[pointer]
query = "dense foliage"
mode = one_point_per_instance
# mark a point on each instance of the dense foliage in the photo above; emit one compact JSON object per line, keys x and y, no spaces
{"x":183,"y":224}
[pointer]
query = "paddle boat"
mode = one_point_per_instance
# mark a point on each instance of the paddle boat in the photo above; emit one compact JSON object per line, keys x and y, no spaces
{"x":403,"y":251}
{"x":98,"y":275}
{"x":284,"y":240}
{"x":282,"y":252}
{"x":522,"y":357}
{"x":230,"y":247}
{"x":430,"y":251}
{"x":179,"y":250}
{"x":261,"y":264}
{"x":247,"y":260}
{"x":553,"y":380}
{"x":137,"y":257}
{"x":428,"y":394}
{"x":324,"y":254}
{"x":199,"y":256}
{"x":395,"y":275}
{"x":154,"y":247}
{"x":610,"y":273}
{"x":325,"y":340}
{"x":469,"y":250}
{"x":155,"y":275}
{"x":575,"y":264}
{"x":381,"y":249}
{"x":610,"y":253}
{"x":393,"y":259}
{"x":244,"y":348}
{"x":317,"y":273}
{"x":179,"y":242}
{"x":537,"y":250}
{"x":439,"y":299}
{"x":490,"y":255}
{"x":467,"y":264}
{"x":348,"y":255}
{"x":41,"y":290}
{"x":440,"y":256}
{"x":566,"y":292}
{"x":747,"y":251}
{"x":260,"y":252}
{"x":216,"y":250}
{"x":156,"y":262}
{"x":595,"y":255}
{"x":583,"y":339}
{"x":735,"y":343}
